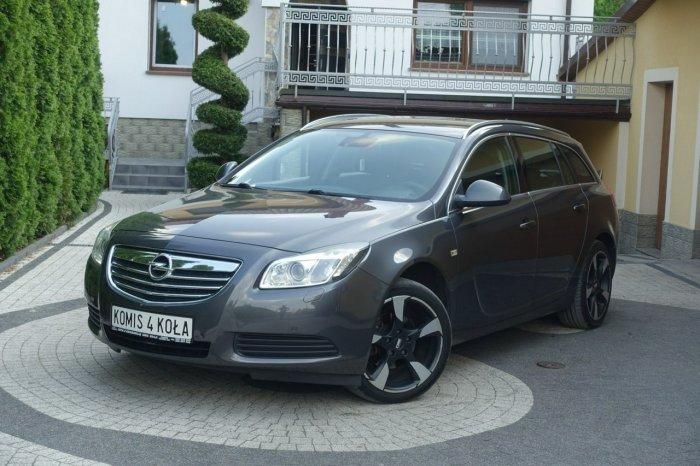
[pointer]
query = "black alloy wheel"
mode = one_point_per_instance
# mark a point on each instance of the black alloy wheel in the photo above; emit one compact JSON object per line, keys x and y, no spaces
{"x":410,"y":345}
{"x":593,"y":290}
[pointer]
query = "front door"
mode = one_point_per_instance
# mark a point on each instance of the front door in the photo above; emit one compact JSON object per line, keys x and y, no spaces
{"x":497,"y":246}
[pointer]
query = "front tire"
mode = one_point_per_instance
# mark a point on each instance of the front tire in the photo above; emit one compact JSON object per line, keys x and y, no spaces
{"x":410,"y":345}
{"x":592,"y":296}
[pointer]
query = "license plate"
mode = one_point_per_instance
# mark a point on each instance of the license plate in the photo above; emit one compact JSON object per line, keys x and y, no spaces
{"x":147,"y":324}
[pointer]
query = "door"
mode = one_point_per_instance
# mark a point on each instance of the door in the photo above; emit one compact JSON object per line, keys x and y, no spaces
{"x":497,"y":246}
{"x":663,"y":169}
{"x":562,"y":215}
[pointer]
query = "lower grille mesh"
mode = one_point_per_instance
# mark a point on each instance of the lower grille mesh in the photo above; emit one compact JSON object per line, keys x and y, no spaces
{"x":259,"y":345}
{"x":94,"y":318}
{"x":196,"y":349}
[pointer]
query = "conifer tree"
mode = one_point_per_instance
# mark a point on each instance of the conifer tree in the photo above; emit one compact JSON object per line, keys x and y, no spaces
{"x":224,"y":140}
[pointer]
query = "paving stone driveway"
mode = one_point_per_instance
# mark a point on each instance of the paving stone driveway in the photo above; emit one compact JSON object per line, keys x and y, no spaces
{"x":66,"y":399}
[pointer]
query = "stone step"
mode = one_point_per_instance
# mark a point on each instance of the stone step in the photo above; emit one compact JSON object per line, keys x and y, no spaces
{"x":149,"y":174}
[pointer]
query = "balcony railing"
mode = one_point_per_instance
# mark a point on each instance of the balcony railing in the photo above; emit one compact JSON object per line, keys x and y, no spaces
{"x":110,"y":111}
{"x":492,"y":53}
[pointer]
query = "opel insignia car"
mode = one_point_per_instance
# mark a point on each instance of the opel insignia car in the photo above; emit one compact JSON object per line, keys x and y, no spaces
{"x":358,"y":250}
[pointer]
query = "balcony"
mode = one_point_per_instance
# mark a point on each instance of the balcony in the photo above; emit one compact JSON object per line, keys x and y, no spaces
{"x":410,"y":55}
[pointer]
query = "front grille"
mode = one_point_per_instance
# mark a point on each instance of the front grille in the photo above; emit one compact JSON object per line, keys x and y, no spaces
{"x":258,"y":345}
{"x":167,"y":278}
{"x":196,"y":349}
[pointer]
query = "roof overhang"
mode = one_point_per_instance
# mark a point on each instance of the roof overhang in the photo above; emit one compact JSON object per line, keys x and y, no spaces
{"x":454,"y":106}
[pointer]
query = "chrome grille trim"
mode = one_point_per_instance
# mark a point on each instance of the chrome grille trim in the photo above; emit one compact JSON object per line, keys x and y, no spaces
{"x":191,"y":279}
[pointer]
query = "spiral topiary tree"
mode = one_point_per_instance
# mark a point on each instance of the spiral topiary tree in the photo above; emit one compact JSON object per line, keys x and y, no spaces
{"x":224,"y":140}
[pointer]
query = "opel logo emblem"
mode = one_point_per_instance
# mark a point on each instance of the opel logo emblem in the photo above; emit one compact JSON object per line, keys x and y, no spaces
{"x":161,"y":267}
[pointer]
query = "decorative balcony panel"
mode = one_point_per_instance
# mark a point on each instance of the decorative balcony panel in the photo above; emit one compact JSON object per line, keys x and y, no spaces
{"x":435,"y":49}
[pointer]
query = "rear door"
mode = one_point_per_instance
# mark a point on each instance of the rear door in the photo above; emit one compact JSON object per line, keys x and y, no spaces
{"x":562,"y":214}
{"x":497,"y":246}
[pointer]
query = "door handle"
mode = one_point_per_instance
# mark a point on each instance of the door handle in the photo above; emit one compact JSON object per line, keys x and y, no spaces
{"x":579,"y":207}
{"x":526,"y":224}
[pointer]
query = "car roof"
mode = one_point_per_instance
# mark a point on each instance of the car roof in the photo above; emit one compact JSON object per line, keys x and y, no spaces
{"x":458,"y":128}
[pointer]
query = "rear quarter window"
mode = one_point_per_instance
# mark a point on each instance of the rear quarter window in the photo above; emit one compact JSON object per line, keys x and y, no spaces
{"x":542,"y":169}
{"x":581,"y":171}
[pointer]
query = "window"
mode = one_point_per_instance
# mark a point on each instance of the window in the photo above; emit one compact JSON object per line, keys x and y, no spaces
{"x":583,"y":174}
{"x":173,"y":39}
{"x":442,"y":40}
{"x":542,"y":169}
{"x":491,"y":161}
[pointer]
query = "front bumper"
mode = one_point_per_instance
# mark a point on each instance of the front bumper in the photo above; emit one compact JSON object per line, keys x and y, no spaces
{"x":318,"y":334}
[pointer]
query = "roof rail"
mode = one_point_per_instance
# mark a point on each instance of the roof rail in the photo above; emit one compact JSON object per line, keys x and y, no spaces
{"x":484,"y":123}
{"x":372,"y":118}
{"x":336,"y":118}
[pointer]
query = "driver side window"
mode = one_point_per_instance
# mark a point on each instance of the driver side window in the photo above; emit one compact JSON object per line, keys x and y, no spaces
{"x":491,"y":161}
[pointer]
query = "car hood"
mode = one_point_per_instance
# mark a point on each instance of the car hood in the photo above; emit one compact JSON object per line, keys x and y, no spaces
{"x":288,"y":221}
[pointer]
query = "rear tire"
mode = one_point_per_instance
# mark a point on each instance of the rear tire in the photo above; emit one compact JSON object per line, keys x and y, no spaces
{"x":592,"y":295}
{"x":410,"y":345}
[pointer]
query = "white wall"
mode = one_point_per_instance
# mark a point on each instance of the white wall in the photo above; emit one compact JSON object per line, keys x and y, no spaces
{"x":123,"y":34}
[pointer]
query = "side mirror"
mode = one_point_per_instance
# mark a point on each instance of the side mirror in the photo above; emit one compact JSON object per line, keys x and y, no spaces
{"x":225,"y":170}
{"x":482,"y":193}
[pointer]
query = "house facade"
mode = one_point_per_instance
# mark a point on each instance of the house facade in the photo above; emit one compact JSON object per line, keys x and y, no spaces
{"x":654,"y":158}
{"x":627,"y":88}
{"x":147,"y":48}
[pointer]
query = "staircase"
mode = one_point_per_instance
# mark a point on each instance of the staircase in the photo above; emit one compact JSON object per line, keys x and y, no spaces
{"x":149,"y":175}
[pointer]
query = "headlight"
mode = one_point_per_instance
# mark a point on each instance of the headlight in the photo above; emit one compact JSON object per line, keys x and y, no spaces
{"x":315,"y":268}
{"x":98,"y":250}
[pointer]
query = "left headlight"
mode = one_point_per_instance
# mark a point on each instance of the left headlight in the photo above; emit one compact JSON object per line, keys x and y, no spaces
{"x":99,"y":249}
{"x":314,"y":268}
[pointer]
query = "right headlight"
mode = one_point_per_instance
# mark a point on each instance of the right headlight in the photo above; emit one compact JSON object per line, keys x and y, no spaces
{"x":314,"y":268}
{"x":100,"y":247}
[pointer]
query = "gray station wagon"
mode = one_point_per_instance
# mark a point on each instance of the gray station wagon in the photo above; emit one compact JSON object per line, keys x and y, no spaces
{"x":358,"y":250}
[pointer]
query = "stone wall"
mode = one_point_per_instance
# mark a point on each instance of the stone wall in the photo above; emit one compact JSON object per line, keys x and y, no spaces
{"x":639,"y":232}
{"x":149,"y":137}
{"x":290,"y":120}
{"x":165,"y":139}
{"x":260,"y":135}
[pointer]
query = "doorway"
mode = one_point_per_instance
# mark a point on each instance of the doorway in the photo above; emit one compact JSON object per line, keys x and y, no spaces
{"x":663,"y":167}
{"x":656,"y":158}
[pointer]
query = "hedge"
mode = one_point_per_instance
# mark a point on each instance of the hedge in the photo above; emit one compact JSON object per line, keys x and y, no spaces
{"x":51,"y":128}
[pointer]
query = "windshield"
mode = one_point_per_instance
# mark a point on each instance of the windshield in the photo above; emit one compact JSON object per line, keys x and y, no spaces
{"x":351,"y":162}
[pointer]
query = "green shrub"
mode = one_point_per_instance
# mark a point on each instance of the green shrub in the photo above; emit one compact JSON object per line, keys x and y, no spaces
{"x":202,"y":171}
{"x":210,"y":69}
{"x":51,"y":129}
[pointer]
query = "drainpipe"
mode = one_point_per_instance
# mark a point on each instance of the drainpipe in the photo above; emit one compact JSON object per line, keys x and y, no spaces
{"x":567,"y":39}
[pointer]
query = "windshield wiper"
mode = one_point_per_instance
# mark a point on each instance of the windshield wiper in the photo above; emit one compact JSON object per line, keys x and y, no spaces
{"x":316,"y":191}
{"x":242,"y":186}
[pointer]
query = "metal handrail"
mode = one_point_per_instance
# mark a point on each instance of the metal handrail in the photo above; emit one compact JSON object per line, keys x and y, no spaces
{"x":413,"y":51}
{"x":253,"y":73}
{"x":110,"y":110}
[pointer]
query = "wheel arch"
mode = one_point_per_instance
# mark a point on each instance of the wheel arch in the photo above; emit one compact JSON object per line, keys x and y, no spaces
{"x":431,"y":277}
{"x":609,"y":242}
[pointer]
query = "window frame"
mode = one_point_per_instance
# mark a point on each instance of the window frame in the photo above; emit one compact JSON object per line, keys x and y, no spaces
{"x":553,"y":150}
{"x":467,"y":37}
{"x":563,"y":149}
{"x":154,"y":68}
{"x":512,"y":154}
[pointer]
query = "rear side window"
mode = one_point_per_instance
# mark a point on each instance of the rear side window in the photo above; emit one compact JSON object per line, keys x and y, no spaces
{"x":542,"y":169}
{"x":583,"y":174}
{"x":491,"y":161}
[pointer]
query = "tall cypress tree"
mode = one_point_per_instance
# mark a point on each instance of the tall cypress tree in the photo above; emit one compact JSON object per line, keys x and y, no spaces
{"x":17,"y":124}
{"x":48,"y":175}
{"x":51,"y":128}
